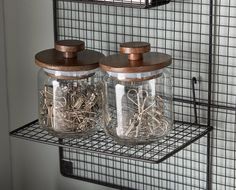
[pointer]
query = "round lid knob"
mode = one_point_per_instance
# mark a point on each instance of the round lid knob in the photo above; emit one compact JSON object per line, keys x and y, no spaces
{"x":134,"y":50}
{"x":69,"y":48}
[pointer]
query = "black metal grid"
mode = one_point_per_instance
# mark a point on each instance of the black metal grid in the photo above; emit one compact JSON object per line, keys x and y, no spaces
{"x":120,"y":173}
{"x":179,"y":29}
{"x":200,"y":35}
{"x":224,"y":96}
{"x":179,"y":138}
{"x":127,"y":3}
{"x":184,"y":29}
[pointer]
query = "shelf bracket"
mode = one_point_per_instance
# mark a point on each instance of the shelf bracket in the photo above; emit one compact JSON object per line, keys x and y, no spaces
{"x":66,"y":167}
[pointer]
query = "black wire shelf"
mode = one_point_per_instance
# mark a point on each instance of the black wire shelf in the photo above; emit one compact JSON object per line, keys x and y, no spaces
{"x":142,"y":4}
{"x":181,"y":136}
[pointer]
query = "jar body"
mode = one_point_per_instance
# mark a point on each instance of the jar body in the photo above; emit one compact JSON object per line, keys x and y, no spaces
{"x":69,"y":107}
{"x":137,"y":111}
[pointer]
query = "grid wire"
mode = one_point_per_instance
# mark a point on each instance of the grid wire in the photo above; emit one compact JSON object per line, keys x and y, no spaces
{"x":181,"y":136}
{"x":224,"y":96}
{"x":181,"y":29}
{"x":122,"y":173}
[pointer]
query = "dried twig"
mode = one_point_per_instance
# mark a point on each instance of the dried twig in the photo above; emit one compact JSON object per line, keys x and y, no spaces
{"x":148,"y":119}
{"x":70,"y":107}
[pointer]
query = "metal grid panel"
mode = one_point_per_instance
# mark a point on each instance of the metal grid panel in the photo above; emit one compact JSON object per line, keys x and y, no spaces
{"x":224,"y":96}
{"x":181,"y":136}
{"x":181,"y":29}
{"x":183,"y":171}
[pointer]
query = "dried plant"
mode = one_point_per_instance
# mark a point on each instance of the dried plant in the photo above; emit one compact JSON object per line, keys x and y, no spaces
{"x":70,"y":107}
{"x":147,"y":117}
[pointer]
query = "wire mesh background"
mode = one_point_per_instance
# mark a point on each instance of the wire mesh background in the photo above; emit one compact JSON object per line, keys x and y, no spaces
{"x":224,"y":96}
{"x":181,"y":29}
{"x":184,"y":171}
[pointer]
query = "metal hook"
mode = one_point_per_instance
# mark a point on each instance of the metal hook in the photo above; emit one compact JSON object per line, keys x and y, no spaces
{"x":194,"y":81}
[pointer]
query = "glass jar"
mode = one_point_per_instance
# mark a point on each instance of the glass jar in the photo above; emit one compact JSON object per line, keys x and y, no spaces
{"x":69,"y":85}
{"x":137,"y":95}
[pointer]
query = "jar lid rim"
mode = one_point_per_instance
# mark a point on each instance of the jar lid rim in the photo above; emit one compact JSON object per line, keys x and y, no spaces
{"x":54,"y":60}
{"x":121,"y":64}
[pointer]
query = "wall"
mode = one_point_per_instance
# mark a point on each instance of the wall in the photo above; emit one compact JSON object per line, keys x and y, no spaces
{"x":5,"y":177}
{"x":29,"y":29}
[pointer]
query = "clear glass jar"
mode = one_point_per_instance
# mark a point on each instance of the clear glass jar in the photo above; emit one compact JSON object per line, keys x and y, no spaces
{"x":137,"y":106}
{"x":69,"y":106}
{"x":69,"y":94}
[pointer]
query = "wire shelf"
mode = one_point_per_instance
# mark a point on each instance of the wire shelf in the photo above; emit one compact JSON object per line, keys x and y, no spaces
{"x":181,"y":136}
{"x":126,"y":3}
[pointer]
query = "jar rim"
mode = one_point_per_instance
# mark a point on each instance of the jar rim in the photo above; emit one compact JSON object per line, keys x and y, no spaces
{"x":142,"y":76}
{"x":70,"y":74}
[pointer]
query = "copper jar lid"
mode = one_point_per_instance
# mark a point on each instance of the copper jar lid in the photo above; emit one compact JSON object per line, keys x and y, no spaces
{"x":68,"y":55}
{"x":134,"y":58}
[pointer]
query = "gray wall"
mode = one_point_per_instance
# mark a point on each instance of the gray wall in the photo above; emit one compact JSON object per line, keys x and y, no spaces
{"x":5,"y":178}
{"x":29,"y":29}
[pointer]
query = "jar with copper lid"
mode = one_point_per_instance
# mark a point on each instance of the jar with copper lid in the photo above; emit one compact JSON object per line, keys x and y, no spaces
{"x":137,"y":94}
{"x":69,"y":84}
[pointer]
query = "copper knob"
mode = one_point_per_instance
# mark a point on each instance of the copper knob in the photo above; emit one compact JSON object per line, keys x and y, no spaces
{"x":69,"y":48}
{"x":135,"y":50}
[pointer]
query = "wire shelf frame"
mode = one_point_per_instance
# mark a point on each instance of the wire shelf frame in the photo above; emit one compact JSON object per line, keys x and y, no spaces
{"x":179,"y":138}
{"x":126,"y":3}
{"x":121,"y":173}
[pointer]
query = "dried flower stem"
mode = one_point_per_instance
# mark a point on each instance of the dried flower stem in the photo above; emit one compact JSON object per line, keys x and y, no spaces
{"x":70,"y":107}
{"x":149,"y":118}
